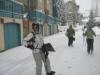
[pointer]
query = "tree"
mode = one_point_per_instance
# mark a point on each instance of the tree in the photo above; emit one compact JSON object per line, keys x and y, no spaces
{"x":91,"y":20}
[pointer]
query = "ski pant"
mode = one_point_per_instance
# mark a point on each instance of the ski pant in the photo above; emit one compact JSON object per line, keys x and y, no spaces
{"x":70,"y":41}
{"x":90,"y":45}
{"x":39,"y":58}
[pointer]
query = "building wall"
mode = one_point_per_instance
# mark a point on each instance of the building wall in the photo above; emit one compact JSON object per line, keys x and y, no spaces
{"x":52,"y":29}
{"x":55,"y":28}
{"x":40,"y":5}
{"x":46,"y":8}
{"x":1,"y":37}
{"x":9,"y":8}
{"x":27,"y":27}
{"x":7,"y":20}
{"x":45,"y":29}
{"x":49,"y":6}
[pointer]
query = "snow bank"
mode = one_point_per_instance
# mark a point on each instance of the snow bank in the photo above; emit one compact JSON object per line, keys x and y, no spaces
{"x":97,"y":30}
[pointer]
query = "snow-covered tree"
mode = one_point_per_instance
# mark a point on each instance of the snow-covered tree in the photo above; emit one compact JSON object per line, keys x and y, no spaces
{"x":91,"y":20}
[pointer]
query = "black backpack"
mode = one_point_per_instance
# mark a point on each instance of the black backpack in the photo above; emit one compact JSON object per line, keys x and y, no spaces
{"x":30,"y":43}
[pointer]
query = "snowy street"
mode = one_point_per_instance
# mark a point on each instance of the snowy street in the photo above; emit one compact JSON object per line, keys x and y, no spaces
{"x":65,"y":61}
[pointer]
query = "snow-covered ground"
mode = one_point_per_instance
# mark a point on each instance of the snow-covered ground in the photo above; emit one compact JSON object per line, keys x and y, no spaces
{"x":65,"y":61}
{"x":97,"y":30}
{"x":62,"y":28}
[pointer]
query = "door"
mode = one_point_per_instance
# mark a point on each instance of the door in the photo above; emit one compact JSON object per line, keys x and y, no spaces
{"x":12,"y":37}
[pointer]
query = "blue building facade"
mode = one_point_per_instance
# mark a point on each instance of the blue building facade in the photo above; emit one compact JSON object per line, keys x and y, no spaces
{"x":13,"y":26}
{"x":12,"y":9}
{"x":11,"y":29}
{"x":46,"y":22}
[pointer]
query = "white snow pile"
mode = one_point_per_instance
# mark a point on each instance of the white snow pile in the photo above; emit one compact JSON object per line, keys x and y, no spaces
{"x":97,"y":19}
{"x":97,"y":30}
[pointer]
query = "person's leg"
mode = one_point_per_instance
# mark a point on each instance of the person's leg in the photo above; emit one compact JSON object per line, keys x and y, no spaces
{"x":47,"y":65}
{"x":71,"y":41}
{"x":88,"y":46}
{"x":38,"y":60}
{"x":68,"y":41}
{"x":92,"y":42}
{"x":46,"y":62}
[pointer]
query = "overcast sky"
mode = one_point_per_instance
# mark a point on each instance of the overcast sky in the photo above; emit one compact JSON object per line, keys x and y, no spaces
{"x":85,"y":6}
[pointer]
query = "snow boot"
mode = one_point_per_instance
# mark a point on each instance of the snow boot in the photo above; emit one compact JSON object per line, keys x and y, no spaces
{"x":51,"y":73}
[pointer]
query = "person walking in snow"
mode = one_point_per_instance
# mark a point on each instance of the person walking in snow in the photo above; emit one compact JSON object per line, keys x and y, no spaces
{"x":70,"y":33}
{"x":89,"y":34}
{"x":84,"y":29}
{"x":36,"y":42}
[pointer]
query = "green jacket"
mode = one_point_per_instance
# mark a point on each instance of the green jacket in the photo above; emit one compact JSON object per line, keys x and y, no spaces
{"x":70,"y":32}
{"x":89,"y":34}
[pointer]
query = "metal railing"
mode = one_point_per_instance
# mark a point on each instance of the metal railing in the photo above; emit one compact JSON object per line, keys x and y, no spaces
{"x":9,"y":14}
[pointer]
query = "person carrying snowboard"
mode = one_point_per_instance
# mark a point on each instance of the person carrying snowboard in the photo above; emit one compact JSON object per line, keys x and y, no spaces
{"x":36,"y":42}
{"x":70,"y":33}
{"x":89,"y":34}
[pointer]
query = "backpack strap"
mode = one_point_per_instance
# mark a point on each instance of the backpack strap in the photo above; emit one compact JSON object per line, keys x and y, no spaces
{"x":34,"y":36}
{"x":31,"y":41}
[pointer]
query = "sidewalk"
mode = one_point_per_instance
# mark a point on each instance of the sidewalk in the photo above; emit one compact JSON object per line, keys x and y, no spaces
{"x":65,"y":61}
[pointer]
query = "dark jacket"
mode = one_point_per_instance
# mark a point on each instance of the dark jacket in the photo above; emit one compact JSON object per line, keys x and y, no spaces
{"x":89,"y":34}
{"x":70,"y":32}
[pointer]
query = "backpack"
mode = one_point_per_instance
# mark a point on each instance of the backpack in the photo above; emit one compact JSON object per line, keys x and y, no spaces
{"x":70,"y":32}
{"x":31,"y":42}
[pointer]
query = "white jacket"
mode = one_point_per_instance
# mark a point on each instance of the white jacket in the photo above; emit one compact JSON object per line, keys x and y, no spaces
{"x":38,"y":41}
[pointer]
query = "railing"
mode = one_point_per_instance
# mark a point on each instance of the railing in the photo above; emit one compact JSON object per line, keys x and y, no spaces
{"x":34,"y":15}
{"x":40,"y":17}
{"x":9,"y":14}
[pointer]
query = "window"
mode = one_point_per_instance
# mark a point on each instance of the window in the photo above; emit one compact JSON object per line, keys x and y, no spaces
{"x":2,"y":4}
